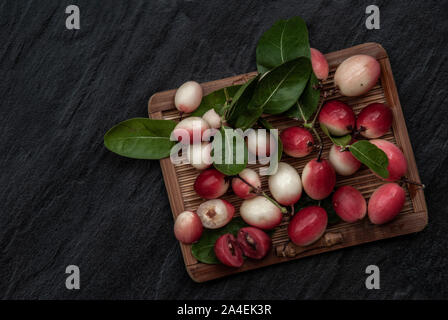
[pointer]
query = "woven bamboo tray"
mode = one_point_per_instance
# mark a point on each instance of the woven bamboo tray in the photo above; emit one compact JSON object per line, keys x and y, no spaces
{"x":179,"y":179}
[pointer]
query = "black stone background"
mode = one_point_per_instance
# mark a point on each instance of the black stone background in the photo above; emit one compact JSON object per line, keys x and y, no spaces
{"x":65,"y":199}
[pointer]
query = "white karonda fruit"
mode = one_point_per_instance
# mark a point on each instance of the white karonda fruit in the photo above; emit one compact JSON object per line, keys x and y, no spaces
{"x":343,"y":162}
{"x":261,"y":213}
{"x":199,"y":155}
{"x":190,"y":130}
{"x":285,"y":185}
{"x":213,"y":119}
{"x":357,"y":75}
{"x":215,"y":213}
{"x":188,"y":97}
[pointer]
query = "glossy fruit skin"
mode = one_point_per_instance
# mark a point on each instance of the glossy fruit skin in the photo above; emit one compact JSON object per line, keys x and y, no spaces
{"x":386,"y":203}
{"x":397,"y":162}
{"x":259,"y":142}
{"x":211,"y":184}
{"x":188,"y":227}
{"x":338,"y":117}
{"x":228,"y":251}
{"x":199,"y":155}
{"x":215,"y":213}
{"x":190,"y":130}
{"x":357,"y":75}
{"x":318,"y":179}
{"x":319,"y":64}
{"x":308,"y":225}
{"x":374,"y":120}
{"x":254,"y":242}
{"x":188,"y":97}
{"x":285,"y":185}
{"x":261,"y":213}
{"x":349,"y":204}
{"x":343,"y":162}
{"x":242,"y":189}
{"x":297,"y":142}
{"x":212,"y":118}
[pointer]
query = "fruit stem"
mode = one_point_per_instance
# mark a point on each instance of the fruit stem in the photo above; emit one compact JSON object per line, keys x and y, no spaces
{"x":320,"y":153}
{"x":321,"y":145}
{"x":312,"y":123}
{"x":357,"y":132}
{"x":406,"y":180}
{"x":228,"y":99}
{"x":226,"y":111}
{"x":259,"y":192}
{"x":321,"y":103}
{"x":282,"y":209}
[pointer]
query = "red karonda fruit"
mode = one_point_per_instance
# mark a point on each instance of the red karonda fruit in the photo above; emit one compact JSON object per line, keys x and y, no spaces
{"x":297,"y":142}
{"x":188,"y":97}
{"x":211,"y":184}
{"x":254,"y":242}
{"x":247,"y":189}
{"x":261,"y":213}
{"x":398,"y":165}
{"x":285,"y":185}
{"x":215,"y":213}
{"x":386,"y":203}
{"x":228,"y":251}
{"x":318,"y":179}
{"x":319,"y":64}
{"x":343,"y":162}
{"x":349,"y":204}
{"x":338,"y":117}
{"x":308,"y":225}
{"x":357,"y":75}
{"x":374,"y":120}
{"x":188,"y":227}
{"x":190,"y":130}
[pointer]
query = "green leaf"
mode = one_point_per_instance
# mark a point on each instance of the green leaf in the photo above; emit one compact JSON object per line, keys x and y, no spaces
{"x":228,"y":148}
{"x":203,"y":250}
{"x":342,"y":141}
{"x":265,"y":124}
{"x":281,"y":87}
{"x":141,"y":138}
{"x":216,"y":100}
{"x":247,"y":118}
{"x":372,"y":156}
{"x":243,"y":113}
{"x":306,"y":201}
{"x":284,"y":41}
{"x":308,"y":101}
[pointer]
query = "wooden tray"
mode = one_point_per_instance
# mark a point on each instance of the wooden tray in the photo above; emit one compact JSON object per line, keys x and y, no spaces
{"x":179,"y":179}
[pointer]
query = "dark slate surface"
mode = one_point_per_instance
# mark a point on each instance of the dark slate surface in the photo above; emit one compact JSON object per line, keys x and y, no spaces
{"x":66,"y":200}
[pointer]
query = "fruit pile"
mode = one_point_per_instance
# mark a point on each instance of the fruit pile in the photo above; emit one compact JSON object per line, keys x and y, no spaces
{"x":289,"y":83}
